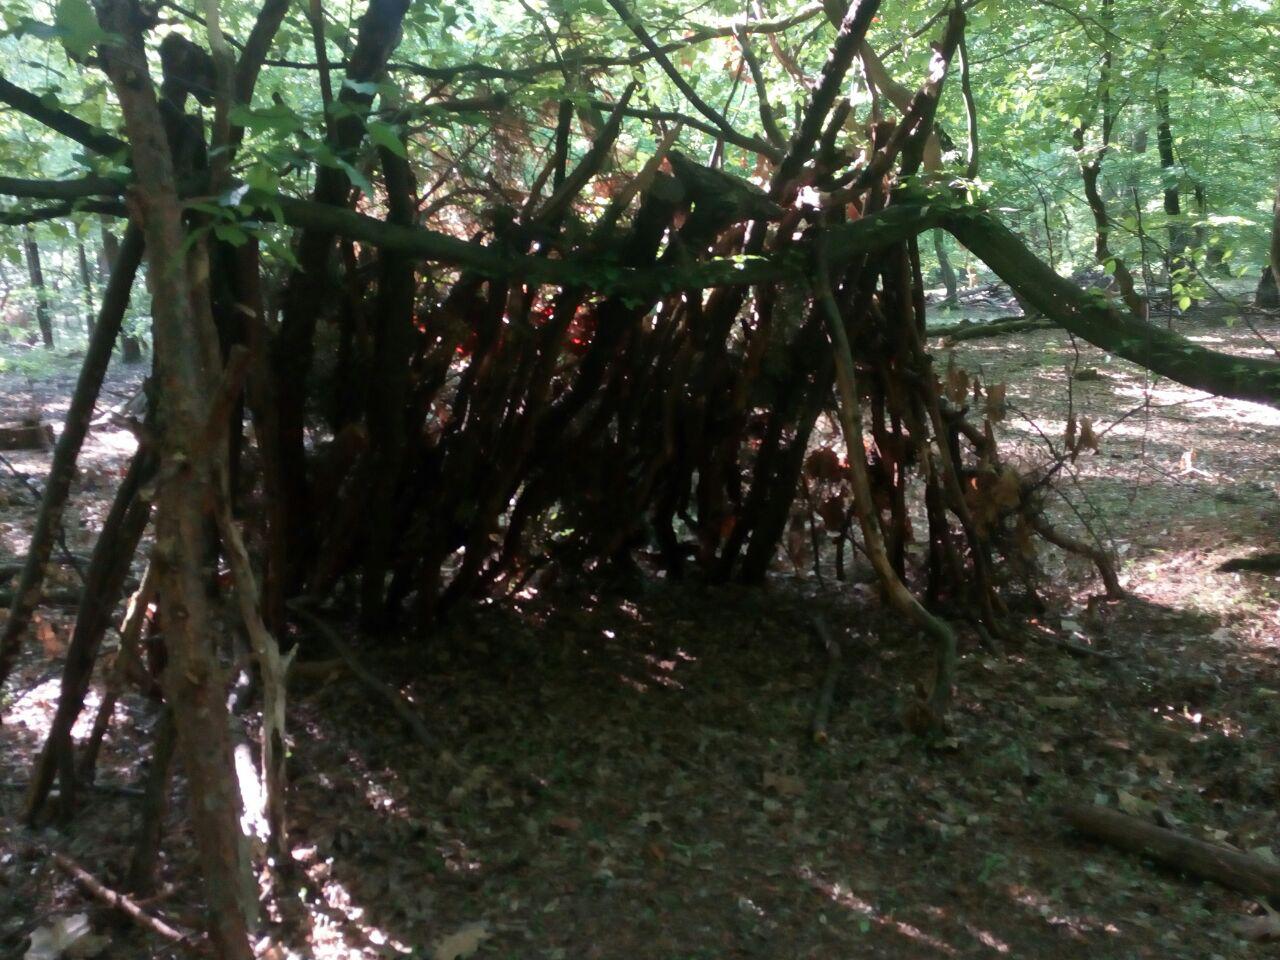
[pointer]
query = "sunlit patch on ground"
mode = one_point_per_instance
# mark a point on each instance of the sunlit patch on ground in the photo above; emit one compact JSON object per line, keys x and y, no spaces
{"x":34,"y":708}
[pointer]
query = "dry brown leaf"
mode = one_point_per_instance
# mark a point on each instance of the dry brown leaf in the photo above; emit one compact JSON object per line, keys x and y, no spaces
{"x":783,"y":784}
{"x":1088,"y":439}
{"x":50,"y":642}
{"x":1007,"y":493}
{"x":996,"y":402}
{"x":1133,"y":805}
{"x":957,"y":383}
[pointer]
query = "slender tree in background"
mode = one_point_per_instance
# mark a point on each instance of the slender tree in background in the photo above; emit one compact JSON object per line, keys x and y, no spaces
{"x":108,"y":252}
{"x":35,"y":272}
{"x":1268,"y":292}
{"x":86,"y":287}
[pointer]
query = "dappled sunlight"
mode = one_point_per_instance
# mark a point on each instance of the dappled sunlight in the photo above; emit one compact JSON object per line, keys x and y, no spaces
{"x":671,"y":575}
{"x":846,"y":898}
{"x":337,"y":926}
{"x":1042,"y":906}
{"x":34,"y":709}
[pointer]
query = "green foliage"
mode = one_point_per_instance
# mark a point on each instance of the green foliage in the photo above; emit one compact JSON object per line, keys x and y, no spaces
{"x":1035,"y":79}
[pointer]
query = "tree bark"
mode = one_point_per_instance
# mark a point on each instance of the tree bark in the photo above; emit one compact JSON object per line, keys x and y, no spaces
{"x":187,"y":362}
{"x":115,"y":300}
{"x":1238,"y":871}
{"x":130,"y":346}
{"x":35,"y":274}
{"x":306,"y":292}
{"x":86,"y":288}
{"x":1268,"y":295}
{"x":1090,"y":316}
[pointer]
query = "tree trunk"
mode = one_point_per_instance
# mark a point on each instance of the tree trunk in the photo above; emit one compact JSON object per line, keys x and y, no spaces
{"x":58,"y":485}
{"x":86,"y":287}
{"x":36,"y":275}
{"x":1268,"y":295}
{"x":1091,"y":175}
{"x":390,"y":388}
{"x":948,"y":272}
{"x":1161,"y":351}
{"x":1168,"y":171}
{"x":130,"y":346}
{"x":187,"y":363}
{"x":306,"y":292}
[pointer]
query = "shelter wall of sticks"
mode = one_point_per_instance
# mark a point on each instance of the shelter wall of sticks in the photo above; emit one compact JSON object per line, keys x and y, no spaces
{"x":608,"y":370}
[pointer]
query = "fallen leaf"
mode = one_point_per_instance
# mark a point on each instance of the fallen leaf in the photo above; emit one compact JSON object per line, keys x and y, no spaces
{"x":48,"y":637}
{"x":462,"y":942}
{"x":783,"y":784}
{"x":564,"y":825}
{"x":1058,"y":703}
{"x":65,"y":937}
{"x":1133,"y":805}
{"x":1259,"y":929}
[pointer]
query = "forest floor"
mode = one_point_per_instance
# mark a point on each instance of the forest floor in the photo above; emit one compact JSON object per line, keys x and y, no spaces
{"x":631,"y":773}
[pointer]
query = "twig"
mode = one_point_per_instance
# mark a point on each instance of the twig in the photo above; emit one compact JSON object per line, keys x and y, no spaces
{"x":362,"y":673}
{"x":92,"y":886}
{"x":822,"y":712}
{"x":1071,"y":647}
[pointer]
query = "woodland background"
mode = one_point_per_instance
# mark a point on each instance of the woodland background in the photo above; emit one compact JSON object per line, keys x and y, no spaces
{"x":624,"y":478}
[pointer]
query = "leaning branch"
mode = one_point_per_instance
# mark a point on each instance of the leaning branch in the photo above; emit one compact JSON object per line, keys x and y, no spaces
{"x":487,"y":71}
{"x":392,"y":697}
{"x":24,"y":101}
{"x":1087,"y":314}
{"x":643,"y":35}
{"x":1090,"y":316}
{"x":118,"y":901}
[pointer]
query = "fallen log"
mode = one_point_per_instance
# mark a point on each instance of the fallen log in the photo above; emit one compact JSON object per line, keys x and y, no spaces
{"x":966,"y":330}
{"x":27,"y":435}
{"x":1208,"y":861}
{"x":69,"y":597}
{"x":1073,"y":648}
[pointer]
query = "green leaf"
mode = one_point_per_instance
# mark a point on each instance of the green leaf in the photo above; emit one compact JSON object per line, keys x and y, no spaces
{"x":277,"y":117}
{"x":357,"y":178}
{"x":386,"y":135}
{"x":230,"y":233}
{"x":78,"y":27}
